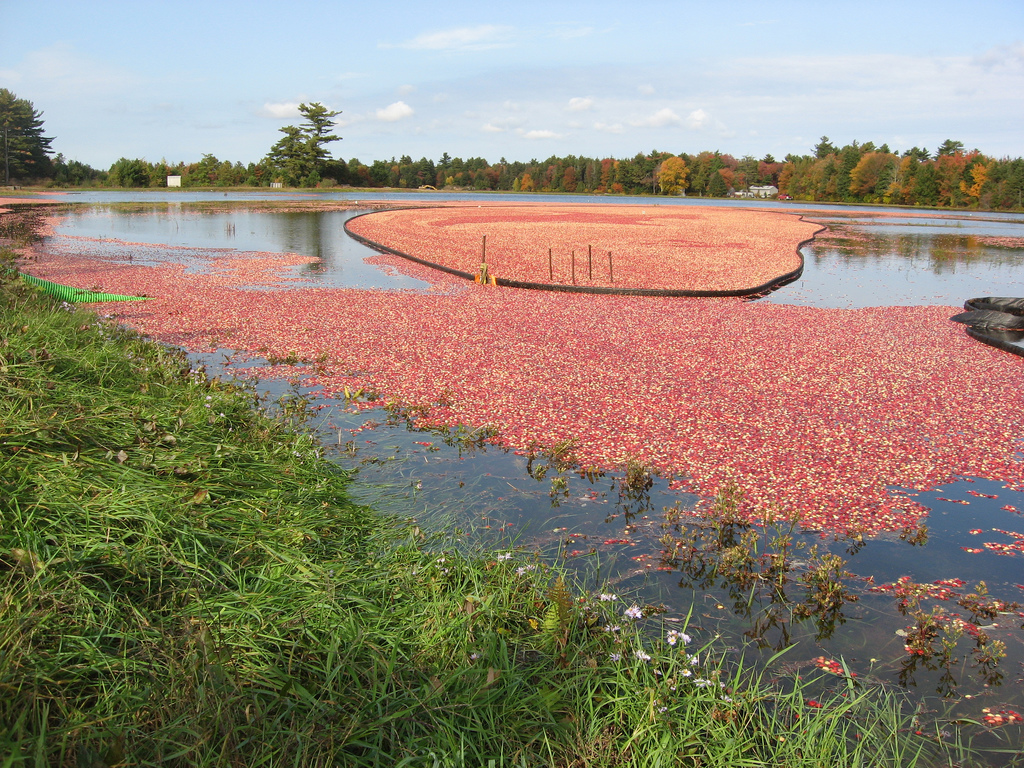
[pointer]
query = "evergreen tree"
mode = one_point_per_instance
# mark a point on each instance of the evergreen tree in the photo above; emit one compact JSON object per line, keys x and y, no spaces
{"x":926,"y":186}
{"x":824,"y":148}
{"x":26,"y":152}
{"x":717,"y":186}
{"x":301,"y":154}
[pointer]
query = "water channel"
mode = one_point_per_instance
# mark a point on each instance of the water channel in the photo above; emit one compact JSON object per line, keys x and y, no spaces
{"x":611,"y":529}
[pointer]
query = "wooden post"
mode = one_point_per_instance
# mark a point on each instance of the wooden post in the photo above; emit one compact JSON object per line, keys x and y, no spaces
{"x":483,"y":279}
{"x":590,"y":263}
{"x":611,"y":277}
{"x":574,"y":267}
{"x":551,"y":268}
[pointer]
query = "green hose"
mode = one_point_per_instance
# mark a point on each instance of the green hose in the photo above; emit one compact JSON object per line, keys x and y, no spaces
{"x":76,"y":295}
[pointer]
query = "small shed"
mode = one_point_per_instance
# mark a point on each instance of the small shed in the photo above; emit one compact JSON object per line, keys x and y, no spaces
{"x":174,"y":181}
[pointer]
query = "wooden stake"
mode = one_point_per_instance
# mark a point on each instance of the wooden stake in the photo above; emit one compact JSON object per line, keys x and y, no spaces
{"x":574,"y":267}
{"x":611,"y":277}
{"x":551,"y":268}
{"x":483,"y":252}
{"x":590,"y":263}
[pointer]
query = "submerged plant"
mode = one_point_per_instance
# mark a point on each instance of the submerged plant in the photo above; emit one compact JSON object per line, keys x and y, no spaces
{"x":757,"y":567}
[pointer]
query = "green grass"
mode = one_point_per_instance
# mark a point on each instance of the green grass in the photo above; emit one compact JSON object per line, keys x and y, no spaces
{"x":184,"y":581}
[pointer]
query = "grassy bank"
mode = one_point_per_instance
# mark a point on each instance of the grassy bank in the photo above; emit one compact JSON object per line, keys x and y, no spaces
{"x":183,"y":581}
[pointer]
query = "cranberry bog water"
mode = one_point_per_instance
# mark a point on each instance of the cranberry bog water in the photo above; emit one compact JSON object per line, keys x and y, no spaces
{"x":832,"y":467}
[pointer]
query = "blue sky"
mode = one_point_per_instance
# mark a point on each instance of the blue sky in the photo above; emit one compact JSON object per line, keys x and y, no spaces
{"x":519,"y":80}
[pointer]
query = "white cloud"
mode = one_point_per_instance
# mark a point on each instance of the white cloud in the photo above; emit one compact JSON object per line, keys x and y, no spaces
{"x":405,"y":90}
{"x":1002,"y":57}
{"x":580,"y":104}
{"x":479,"y":38}
{"x":501,"y":124}
{"x":697,"y":119}
{"x":394,"y":112}
{"x":283,"y":110}
{"x":646,"y":90}
{"x":659,"y":119}
{"x":609,"y":128}
{"x":539,"y":134}
{"x":345,"y":122}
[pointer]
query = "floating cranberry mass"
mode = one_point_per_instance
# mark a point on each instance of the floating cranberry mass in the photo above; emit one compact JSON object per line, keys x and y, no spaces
{"x":822,"y":411}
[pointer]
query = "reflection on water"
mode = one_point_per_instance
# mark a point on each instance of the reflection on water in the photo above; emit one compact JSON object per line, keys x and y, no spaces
{"x":883,"y":265}
{"x":340,"y":260}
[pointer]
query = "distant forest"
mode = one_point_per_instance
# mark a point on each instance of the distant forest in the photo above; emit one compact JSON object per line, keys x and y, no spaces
{"x":855,"y":173}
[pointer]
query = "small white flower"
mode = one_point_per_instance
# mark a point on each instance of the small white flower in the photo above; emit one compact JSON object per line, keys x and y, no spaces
{"x":525,"y":569}
{"x":634,"y":612}
{"x":474,"y":656}
{"x":642,"y":656}
{"x":674,"y":637}
{"x":610,"y":628}
{"x":686,"y":673}
{"x":506,"y":556}
{"x":607,"y":598}
{"x":616,"y":657}
{"x":702,"y":683}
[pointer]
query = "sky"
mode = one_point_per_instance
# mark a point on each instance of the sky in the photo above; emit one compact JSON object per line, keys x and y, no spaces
{"x":174,"y":80}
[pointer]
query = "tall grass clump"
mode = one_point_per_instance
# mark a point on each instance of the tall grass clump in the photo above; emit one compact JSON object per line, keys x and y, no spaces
{"x":183,"y":581}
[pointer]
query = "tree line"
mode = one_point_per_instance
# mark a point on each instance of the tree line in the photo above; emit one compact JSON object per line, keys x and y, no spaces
{"x":854,"y":173}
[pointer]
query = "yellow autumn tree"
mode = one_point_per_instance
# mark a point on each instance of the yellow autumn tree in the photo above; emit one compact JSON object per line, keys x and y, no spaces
{"x":979,"y":174}
{"x":672,"y":175}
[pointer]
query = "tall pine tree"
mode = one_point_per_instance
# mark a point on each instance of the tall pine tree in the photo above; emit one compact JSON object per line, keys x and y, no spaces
{"x":301,"y":154}
{"x":26,"y":152}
